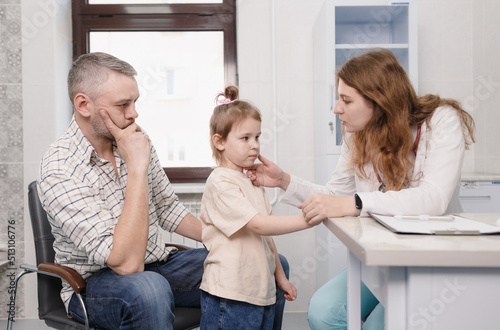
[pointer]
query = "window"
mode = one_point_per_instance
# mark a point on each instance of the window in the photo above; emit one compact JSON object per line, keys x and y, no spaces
{"x":184,"y":54}
{"x":119,"y":2}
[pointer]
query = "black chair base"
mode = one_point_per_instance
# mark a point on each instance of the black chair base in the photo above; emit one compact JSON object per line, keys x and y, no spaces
{"x":185,"y":317}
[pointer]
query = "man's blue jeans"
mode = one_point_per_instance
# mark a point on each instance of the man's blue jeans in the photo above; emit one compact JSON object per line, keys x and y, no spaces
{"x":143,"y":300}
{"x":146,"y":300}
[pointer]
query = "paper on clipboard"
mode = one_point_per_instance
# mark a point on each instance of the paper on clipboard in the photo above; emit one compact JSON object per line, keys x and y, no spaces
{"x":459,"y":226}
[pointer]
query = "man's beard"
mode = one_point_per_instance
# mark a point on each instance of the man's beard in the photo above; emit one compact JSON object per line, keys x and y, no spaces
{"x":99,"y":127}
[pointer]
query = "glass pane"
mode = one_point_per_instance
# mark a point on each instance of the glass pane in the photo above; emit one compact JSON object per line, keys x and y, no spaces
{"x":179,"y":74}
{"x":147,"y":2}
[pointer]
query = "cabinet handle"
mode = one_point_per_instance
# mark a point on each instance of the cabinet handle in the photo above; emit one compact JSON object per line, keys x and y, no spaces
{"x":331,"y":97}
{"x":331,"y":126}
{"x":475,"y":198}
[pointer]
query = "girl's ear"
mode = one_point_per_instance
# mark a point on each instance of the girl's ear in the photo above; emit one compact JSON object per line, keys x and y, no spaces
{"x":83,"y":104}
{"x":218,"y":142}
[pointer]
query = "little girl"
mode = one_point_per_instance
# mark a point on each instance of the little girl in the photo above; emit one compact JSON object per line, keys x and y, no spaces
{"x":238,"y":286}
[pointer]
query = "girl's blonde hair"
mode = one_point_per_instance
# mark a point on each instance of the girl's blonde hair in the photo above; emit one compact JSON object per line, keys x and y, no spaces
{"x":387,"y":141}
{"x":229,"y":112}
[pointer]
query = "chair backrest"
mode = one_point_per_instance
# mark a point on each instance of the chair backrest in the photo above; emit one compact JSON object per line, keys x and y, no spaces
{"x":49,"y":288}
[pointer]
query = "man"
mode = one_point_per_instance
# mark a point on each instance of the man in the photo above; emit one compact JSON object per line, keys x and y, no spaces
{"x":106,"y":197}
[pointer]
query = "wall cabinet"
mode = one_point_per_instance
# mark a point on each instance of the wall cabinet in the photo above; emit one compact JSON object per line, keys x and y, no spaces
{"x":343,"y":29}
{"x":480,"y":196}
{"x":346,"y":28}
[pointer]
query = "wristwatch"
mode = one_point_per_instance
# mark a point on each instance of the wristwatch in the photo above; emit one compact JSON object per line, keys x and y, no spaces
{"x":358,"y":203}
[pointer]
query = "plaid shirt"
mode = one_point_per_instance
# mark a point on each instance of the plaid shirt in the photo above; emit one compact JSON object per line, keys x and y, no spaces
{"x":84,"y":198}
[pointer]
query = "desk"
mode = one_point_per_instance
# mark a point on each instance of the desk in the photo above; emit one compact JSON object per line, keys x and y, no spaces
{"x":423,"y":281}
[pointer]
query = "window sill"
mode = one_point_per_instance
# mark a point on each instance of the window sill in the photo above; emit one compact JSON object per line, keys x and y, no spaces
{"x":188,"y":188}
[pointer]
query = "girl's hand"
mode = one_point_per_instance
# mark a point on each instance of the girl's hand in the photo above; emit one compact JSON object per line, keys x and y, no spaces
{"x":289,"y":288}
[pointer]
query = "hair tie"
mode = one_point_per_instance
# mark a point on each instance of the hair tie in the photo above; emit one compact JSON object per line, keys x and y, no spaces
{"x":226,"y":101}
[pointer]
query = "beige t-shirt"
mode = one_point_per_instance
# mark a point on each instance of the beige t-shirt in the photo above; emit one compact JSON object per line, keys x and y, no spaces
{"x":240,"y":264}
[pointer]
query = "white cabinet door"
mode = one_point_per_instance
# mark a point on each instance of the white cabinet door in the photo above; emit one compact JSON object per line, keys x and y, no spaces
{"x":327,"y":133}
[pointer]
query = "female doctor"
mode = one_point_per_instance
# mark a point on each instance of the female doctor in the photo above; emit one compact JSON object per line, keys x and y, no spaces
{"x":400,"y":154}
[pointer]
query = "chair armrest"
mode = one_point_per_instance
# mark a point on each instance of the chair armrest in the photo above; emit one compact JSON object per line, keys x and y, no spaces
{"x":180,"y":247}
{"x":65,"y":273}
{"x":68,"y":274}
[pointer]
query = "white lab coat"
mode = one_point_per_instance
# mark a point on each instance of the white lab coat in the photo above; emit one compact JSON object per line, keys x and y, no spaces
{"x":438,"y":163}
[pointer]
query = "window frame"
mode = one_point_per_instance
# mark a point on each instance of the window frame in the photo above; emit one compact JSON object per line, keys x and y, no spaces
{"x":161,"y":17}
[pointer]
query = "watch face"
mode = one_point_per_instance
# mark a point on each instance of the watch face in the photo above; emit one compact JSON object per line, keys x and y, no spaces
{"x":359,"y":204}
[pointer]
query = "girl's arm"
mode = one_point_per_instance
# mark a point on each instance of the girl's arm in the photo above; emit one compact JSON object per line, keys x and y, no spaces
{"x":283,"y":282}
{"x":269,"y":225}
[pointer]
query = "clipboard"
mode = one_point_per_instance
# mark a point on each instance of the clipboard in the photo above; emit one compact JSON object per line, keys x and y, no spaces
{"x":459,"y":226}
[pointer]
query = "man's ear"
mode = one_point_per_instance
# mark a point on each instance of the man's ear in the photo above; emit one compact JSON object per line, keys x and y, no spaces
{"x":83,"y":105}
{"x":218,"y":142}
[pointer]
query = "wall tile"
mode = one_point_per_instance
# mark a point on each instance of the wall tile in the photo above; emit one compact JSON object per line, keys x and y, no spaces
{"x":457,"y":39}
{"x":491,"y":39}
{"x":11,"y":151}
{"x":478,"y":38}
{"x":430,"y":31}
{"x":11,"y":123}
{"x":492,"y":165}
{"x":12,"y":230}
{"x":10,"y":42}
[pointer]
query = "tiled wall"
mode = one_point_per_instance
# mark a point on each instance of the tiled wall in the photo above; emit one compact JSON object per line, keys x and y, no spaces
{"x":459,"y":41}
{"x":486,"y":89}
{"x":11,"y":150}
{"x":445,"y":53}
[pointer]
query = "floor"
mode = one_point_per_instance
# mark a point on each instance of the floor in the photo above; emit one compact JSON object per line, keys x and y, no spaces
{"x":292,"y":321}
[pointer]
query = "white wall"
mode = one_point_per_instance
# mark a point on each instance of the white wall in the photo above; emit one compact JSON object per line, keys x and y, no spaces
{"x":46,"y":37}
{"x":276,"y":73}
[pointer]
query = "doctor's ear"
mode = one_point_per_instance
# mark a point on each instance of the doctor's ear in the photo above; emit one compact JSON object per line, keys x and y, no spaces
{"x":218,"y":142}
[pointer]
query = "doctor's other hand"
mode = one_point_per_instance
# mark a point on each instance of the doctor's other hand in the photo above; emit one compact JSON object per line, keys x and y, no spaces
{"x":268,"y":174}
{"x":319,"y":207}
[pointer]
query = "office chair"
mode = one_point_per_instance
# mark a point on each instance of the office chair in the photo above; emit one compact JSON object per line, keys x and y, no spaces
{"x":50,"y":306}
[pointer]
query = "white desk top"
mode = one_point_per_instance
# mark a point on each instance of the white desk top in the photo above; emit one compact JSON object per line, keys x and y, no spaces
{"x":375,"y":245}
